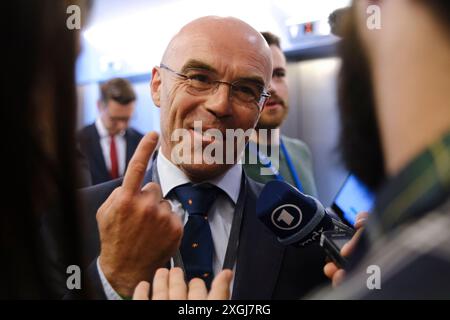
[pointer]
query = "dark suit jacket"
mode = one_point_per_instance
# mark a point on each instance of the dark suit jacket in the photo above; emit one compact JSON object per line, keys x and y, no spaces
{"x":264,"y":269}
{"x":89,"y":141}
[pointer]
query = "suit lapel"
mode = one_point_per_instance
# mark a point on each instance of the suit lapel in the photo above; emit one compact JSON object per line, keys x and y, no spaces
{"x":152,"y":174}
{"x":97,"y":153}
{"x":130,"y":147}
{"x":259,"y":256}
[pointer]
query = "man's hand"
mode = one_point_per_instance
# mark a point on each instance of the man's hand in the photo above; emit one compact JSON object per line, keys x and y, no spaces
{"x":170,"y":285}
{"x":138,"y":231}
{"x":335,"y":274}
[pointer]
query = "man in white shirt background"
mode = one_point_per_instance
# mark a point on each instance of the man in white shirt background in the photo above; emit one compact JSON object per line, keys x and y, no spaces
{"x":109,"y":142}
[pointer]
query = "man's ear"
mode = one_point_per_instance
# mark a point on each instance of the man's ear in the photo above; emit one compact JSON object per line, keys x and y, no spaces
{"x":155,"y":86}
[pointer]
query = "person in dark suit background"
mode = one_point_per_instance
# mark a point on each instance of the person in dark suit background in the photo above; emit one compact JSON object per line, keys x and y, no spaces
{"x":109,"y":142}
{"x":140,"y":227}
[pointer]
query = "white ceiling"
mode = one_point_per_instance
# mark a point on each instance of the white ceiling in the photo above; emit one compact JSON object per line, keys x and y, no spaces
{"x":135,"y":32}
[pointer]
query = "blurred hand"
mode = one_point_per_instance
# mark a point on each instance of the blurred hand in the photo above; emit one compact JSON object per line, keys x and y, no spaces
{"x":170,"y":285}
{"x":335,"y":274}
{"x":138,"y":231}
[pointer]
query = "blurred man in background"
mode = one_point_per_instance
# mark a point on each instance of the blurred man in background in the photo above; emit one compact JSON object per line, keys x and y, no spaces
{"x":109,"y":142}
{"x":295,"y":160}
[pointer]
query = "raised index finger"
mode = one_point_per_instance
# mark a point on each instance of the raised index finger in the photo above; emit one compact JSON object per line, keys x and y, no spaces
{"x":138,"y":164}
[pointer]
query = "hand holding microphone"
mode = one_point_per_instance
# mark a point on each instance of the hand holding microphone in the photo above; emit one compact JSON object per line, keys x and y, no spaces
{"x":295,"y":218}
{"x":331,"y":270}
{"x":298,"y":219}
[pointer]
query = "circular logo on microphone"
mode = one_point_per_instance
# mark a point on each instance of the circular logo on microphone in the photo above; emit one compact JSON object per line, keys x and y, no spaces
{"x":287,"y":217}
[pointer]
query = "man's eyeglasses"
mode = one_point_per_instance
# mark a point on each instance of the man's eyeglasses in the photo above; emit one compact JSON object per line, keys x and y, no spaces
{"x":202,"y":82}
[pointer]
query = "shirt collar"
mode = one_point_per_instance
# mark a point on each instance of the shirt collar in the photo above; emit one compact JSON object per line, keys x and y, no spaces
{"x":171,"y":176}
{"x":102,"y":132}
{"x":420,"y":187}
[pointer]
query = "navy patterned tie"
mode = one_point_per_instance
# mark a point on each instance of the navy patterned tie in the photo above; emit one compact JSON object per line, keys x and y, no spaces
{"x":197,"y":245}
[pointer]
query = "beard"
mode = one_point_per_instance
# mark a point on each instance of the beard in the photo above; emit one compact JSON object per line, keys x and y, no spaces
{"x":273,"y":118}
{"x":359,"y":140}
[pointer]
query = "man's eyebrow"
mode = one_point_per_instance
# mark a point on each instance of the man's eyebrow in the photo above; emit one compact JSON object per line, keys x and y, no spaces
{"x":120,"y":118}
{"x":279,"y":69}
{"x":255,"y":79}
{"x":197,"y":64}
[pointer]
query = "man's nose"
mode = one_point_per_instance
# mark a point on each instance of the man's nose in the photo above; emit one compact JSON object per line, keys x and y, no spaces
{"x":219,"y":101}
{"x":273,"y":87}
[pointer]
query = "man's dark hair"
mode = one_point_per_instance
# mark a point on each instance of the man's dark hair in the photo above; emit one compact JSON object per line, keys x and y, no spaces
{"x":441,"y":9}
{"x":336,"y":21}
{"x":117,"y":89}
{"x":272,"y":40}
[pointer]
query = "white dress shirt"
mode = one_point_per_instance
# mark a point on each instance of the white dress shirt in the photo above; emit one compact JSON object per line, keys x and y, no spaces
{"x":105,"y":143}
{"x":220,"y":215}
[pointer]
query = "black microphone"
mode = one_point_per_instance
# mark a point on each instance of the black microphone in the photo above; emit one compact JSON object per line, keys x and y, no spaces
{"x":295,"y":218}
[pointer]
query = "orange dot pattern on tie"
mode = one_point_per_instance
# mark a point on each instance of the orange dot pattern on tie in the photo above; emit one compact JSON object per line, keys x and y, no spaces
{"x":197,"y":245}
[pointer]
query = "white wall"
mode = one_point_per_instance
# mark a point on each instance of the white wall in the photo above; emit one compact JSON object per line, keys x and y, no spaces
{"x":313,"y":118}
{"x":123,"y":38}
{"x":145,"y":117}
